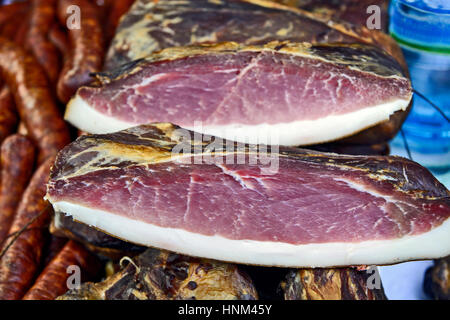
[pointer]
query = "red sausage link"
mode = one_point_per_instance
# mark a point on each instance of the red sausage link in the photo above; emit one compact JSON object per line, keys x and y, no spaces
{"x":8,"y":116}
{"x":9,"y":10}
{"x":21,"y":256}
{"x":43,"y":15}
{"x":34,"y":100}
{"x":87,"y":45}
{"x":60,"y":39}
{"x":17,"y":162}
{"x":52,"y":282}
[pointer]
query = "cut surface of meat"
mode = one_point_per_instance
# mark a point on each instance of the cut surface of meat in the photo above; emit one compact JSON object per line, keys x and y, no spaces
{"x":151,"y":26}
{"x":297,"y":93}
{"x":291,"y":207}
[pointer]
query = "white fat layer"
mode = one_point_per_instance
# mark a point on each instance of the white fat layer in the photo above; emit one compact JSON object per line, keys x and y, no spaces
{"x":302,"y":132}
{"x":430,"y":245}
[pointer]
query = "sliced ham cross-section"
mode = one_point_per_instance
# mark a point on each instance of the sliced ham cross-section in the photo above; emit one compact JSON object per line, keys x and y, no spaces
{"x":311,"y":209}
{"x":290,"y":93}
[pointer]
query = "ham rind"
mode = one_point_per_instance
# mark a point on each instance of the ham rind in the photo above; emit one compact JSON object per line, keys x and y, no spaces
{"x":151,"y":26}
{"x":352,"y":11}
{"x":154,"y":186}
{"x":298,"y":94}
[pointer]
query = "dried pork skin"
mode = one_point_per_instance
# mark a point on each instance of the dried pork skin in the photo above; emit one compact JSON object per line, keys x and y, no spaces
{"x":437,"y":280}
{"x":162,"y":275}
{"x":330,"y":284}
{"x":296,"y":93}
{"x":151,"y":26}
{"x":353,"y":11}
{"x":315,"y":210}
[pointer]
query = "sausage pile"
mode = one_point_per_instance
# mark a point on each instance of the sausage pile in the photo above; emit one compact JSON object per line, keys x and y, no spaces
{"x":48,"y":48}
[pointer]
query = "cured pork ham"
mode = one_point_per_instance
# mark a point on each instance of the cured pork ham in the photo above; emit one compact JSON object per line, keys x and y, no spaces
{"x":151,"y":26}
{"x":286,"y":93}
{"x":353,"y":11}
{"x":163,"y":186}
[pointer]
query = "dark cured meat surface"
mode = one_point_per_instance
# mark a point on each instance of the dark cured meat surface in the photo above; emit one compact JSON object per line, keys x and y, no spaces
{"x":353,"y":11}
{"x":151,"y":26}
{"x":354,"y":149}
{"x":352,"y":198}
{"x":437,"y":280}
{"x":162,"y":275}
{"x":330,"y":284}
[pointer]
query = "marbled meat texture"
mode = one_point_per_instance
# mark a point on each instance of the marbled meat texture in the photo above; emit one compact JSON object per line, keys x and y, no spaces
{"x":151,"y":26}
{"x":249,"y":91}
{"x":304,"y":208}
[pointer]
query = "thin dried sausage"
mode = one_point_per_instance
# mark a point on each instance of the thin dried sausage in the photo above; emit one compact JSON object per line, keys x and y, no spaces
{"x":35,"y":103}
{"x":9,"y":10}
{"x":87,"y":47}
{"x":52,"y":282}
{"x":60,"y":40}
{"x":8,"y":115}
{"x":42,"y":18}
{"x":21,"y":255}
{"x":17,"y":161}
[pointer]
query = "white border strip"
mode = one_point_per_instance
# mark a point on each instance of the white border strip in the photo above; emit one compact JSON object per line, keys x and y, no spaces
{"x":80,"y":114}
{"x":430,"y":245}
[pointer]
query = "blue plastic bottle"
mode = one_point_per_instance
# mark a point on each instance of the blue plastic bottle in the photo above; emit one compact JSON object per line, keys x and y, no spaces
{"x":422,"y":28}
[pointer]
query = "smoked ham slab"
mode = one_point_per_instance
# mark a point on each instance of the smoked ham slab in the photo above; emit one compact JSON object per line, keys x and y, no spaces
{"x":150,"y":26}
{"x":163,"y":186}
{"x":286,"y":93}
